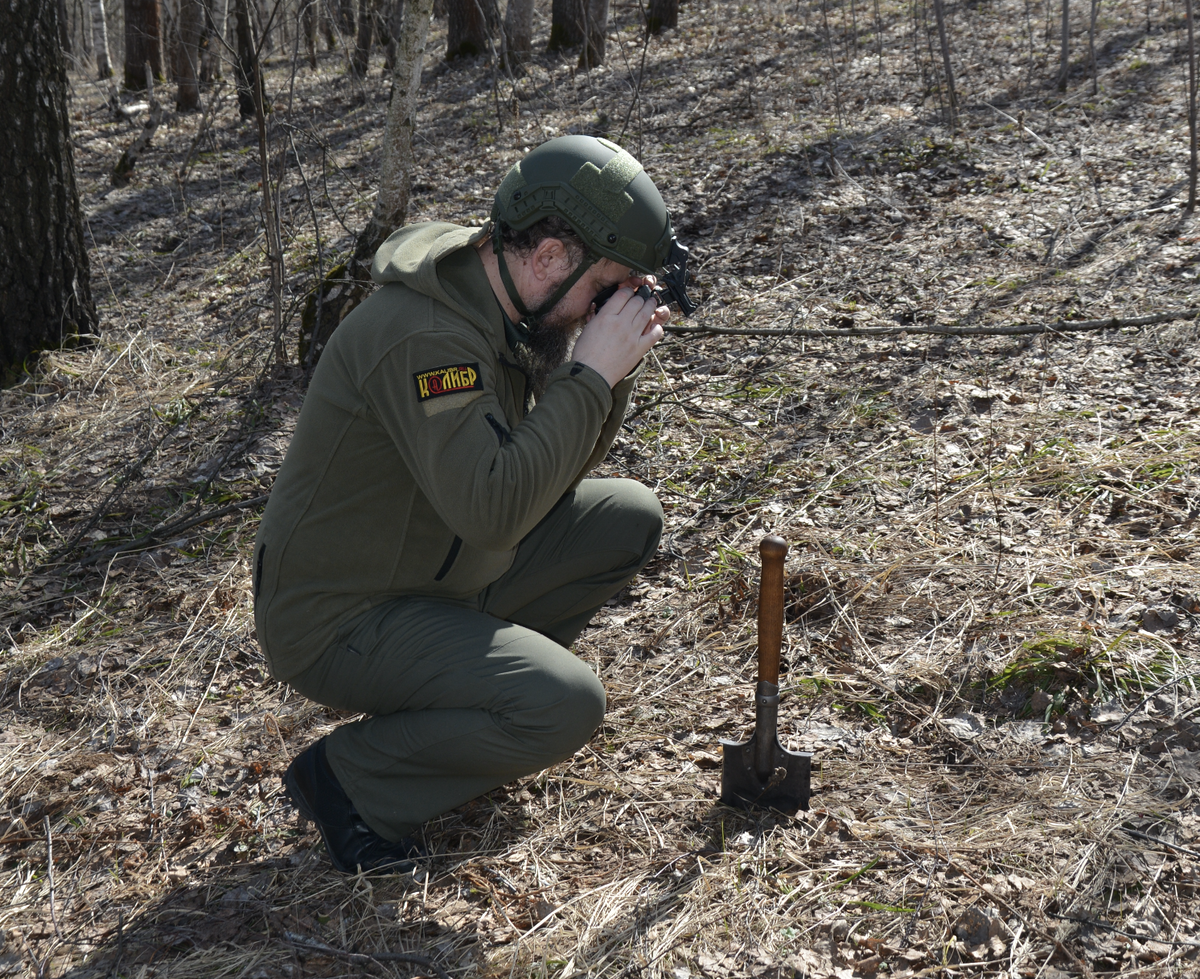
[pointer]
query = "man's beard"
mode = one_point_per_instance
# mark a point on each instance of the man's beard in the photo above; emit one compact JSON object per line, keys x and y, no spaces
{"x":548,"y":347}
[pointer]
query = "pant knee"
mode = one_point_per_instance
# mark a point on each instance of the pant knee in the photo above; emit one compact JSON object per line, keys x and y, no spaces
{"x":641,"y":516}
{"x":570,"y":706}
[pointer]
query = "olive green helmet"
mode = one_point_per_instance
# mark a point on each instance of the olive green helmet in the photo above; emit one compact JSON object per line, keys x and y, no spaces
{"x":597,"y":188}
{"x":608,"y":200}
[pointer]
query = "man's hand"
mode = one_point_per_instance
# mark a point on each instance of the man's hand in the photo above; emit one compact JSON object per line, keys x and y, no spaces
{"x":622,"y":331}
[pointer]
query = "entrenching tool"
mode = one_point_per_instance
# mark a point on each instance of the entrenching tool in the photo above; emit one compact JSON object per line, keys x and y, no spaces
{"x":762,"y":772}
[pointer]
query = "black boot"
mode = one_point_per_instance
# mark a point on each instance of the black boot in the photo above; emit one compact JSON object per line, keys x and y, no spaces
{"x":353,"y":846}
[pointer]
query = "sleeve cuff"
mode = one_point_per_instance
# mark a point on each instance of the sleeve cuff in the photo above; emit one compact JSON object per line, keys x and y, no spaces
{"x":588,"y":376}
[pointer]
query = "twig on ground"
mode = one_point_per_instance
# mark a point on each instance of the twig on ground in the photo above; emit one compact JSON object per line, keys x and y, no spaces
{"x":1062,"y":326}
{"x":170,"y":529}
{"x":1093,"y":923}
{"x":1160,"y":841}
{"x":50,"y":874}
{"x":362,"y":958}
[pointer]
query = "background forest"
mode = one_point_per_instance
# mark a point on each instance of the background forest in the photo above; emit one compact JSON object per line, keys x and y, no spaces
{"x":947,"y":350}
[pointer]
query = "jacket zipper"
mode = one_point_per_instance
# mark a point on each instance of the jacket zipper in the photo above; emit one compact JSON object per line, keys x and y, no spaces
{"x":449,"y":562}
{"x":500,"y":430}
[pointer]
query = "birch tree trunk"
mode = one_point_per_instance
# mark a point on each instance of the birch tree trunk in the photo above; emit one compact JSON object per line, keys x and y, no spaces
{"x":395,"y":178}
{"x":345,"y":286}
{"x":100,"y":39}
{"x":45,"y":287}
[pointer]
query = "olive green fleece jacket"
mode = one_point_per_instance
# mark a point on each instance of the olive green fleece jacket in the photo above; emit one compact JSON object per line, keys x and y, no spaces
{"x":414,"y":469}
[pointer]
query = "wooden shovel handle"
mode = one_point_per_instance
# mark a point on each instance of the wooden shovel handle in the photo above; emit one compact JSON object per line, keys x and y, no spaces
{"x":770,"y":607}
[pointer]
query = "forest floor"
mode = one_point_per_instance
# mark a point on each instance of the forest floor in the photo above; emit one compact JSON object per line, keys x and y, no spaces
{"x":991,"y":645}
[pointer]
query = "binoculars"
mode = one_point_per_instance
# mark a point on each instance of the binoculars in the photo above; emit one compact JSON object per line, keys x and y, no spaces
{"x":673,"y":282}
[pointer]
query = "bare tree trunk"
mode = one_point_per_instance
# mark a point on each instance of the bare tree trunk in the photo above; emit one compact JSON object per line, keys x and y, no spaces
{"x":309,"y":18}
{"x":45,"y":288}
{"x":1092,"y":47}
{"x":64,"y":30}
{"x":83,"y":19}
{"x":247,"y":63}
{"x":1191,"y":204}
{"x":143,"y":41}
{"x":328,"y":29}
{"x":662,"y":14}
{"x":943,"y":37}
{"x":264,"y":26}
{"x":518,"y":32}
{"x":566,"y":24}
{"x":1064,"y":64}
{"x":467,"y":32}
{"x":595,"y":33}
{"x":213,"y":39}
{"x":191,"y":24}
{"x":360,"y":61}
{"x":345,"y":12}
{"x":393,"y":16}
{"x":100,"y":39}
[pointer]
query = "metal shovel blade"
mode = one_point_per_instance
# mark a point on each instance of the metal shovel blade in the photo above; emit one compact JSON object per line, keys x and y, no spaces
{"x":761,"y":772}
{"x":786,"y":788}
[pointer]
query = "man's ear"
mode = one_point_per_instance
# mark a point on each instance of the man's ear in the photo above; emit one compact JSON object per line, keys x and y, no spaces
{"x":549,"y":258}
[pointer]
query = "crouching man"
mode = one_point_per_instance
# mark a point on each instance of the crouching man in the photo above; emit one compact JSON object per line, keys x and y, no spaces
{"x":431,"y":548}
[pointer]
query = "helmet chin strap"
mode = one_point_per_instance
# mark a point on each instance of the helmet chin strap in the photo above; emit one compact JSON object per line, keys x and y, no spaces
{"x":533,"y":319}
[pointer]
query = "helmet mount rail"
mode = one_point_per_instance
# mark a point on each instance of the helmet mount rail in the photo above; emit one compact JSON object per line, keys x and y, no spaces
{"x":675,"y":277}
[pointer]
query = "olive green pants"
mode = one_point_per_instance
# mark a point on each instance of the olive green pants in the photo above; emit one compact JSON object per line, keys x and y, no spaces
{"x":466,"y":696}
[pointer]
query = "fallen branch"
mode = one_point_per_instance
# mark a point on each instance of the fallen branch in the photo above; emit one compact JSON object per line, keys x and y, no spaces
{"x":363,"y":958}
{"x":1093,"y":923}
{"x":122,"y":172}
{"x":163,"y":532}
{"x":1062,"y":326}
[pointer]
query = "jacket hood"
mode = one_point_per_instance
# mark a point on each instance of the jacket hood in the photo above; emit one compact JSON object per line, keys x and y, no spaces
{"x":410,"y":256}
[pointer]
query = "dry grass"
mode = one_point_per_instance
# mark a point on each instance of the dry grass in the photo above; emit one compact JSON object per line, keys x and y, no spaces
{"x":991,"y":644}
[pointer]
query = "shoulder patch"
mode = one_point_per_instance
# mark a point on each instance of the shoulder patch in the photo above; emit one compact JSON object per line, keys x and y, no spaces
{"x":447,"y":380}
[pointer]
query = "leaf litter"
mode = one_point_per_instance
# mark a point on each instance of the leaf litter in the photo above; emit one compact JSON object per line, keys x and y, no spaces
{"x":990,"y":643}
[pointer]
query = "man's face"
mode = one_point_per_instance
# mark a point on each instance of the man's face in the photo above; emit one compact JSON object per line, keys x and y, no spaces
{"x":550,"y":342}
{"x":571,"y":312}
